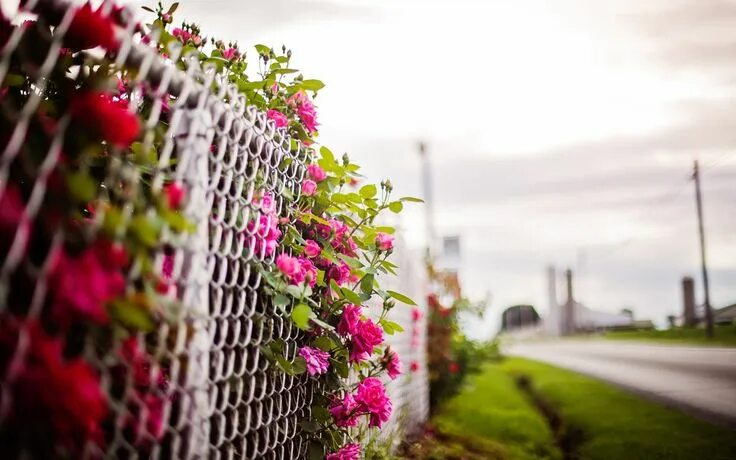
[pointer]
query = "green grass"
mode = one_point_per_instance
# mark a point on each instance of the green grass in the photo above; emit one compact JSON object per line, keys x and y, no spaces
{"x":617,"y":425}
{"x":490,"y":414}
{"x":724,"y":335}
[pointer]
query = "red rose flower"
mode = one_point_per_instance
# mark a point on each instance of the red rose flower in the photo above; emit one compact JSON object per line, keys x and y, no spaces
{"x":174,"y":193}
{"x":82,"y":285}
{"x":110,"y":120}
{"x":51,"y":390}
{"x":11,"y":212}
{"x":90,"y":29}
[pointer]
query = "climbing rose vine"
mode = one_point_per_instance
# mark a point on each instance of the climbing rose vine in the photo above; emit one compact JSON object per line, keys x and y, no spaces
{"x":117,"y":238}
{"x":327,"y":260}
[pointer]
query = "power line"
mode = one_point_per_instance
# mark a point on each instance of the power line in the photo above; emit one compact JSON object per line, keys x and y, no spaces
{"x":718,"y":161}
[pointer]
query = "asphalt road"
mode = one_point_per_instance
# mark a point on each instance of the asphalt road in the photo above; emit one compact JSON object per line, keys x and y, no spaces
{"x":698,"y":380}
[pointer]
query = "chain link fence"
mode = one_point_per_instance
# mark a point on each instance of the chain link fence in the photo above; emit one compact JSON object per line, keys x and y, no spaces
{"x":207,"y":391}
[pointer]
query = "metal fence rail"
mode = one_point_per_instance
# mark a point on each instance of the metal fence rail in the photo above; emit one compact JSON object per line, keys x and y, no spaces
{"x":210,"y":392}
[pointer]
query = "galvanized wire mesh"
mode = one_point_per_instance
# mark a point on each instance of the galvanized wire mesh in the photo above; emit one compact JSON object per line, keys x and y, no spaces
{"x":198,"y":385}
{"x":410,"y":391}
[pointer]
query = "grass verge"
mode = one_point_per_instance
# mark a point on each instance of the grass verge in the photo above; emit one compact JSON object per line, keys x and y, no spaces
{"x":489,"y":419}
{"x":522,"y":410}
{"x":617,"y":425}
{"x":724,"y":335}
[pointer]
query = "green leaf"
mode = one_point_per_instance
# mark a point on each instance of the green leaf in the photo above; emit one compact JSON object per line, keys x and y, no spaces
{"x":284,"y":71}
{"x":324,"y":343}
{"x":396,"y":206}
{"x":316,"y":451}
{"x":341,"y":368}
{"x":301,"y":316}
{"x":312,"y":85}
{"x":173,"y":7}
{"x":113,"y":221}
{"x":299,"y":366}
{"x":351,"y":296}
{"x":354,"y":197}
{"x":146,"y":229}
{"x":326,"y":154}
{"x":178,"y":222}
{"x":131,"y":314}
{"x":401,"y":297}
{"x":366,"y":284}
{"x":294,"y":291}
{"x":13,"y":79}
{"x":351,"y":261}
{"x":263,"y":49}
{"x":390,"y":327}
{"x":368,"y":191}
{"x":280,"y":299}
{"x":411,"y":199}
{"x":284,"y":364}
{"x":81,"y":186}
{"x":321,"y":414}
{"x":309,"y":426}
{"x":322,"y":324}
{"x":389,"y":230}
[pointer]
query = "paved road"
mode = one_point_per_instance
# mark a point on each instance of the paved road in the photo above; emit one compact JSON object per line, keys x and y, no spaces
{"x":698,"y":380}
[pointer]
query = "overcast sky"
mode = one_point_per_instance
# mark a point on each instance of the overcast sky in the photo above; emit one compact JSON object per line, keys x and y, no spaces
{"x":559,"y":132}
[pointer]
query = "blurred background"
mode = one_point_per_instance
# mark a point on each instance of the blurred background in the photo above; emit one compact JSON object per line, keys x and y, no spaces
{"x":558,"y":133}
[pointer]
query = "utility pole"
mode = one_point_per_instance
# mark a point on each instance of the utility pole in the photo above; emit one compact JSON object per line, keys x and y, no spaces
{"x":427,"y":191}
{"x":706,"y":287}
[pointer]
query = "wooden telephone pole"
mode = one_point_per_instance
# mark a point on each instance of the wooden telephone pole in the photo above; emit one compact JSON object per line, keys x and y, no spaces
{"x":706,"y":287}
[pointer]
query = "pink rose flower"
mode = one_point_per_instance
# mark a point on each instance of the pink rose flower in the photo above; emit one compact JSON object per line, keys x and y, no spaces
{"x":371,"y":396}
{"x":312,"y":249}
{"x":348,"y":324}
{"x":288,"y":265}
{"x":340,"y":273}
{"x":416,"y":314}
{"x":317,"y":360}
{"x":342,"y":242}
{"x":309,"y":187}
{"x":392,"y":364}
{"x":275,"y":88}
{"x":345,"y":411}
{"x":365,"y":340}
{"x":384,"y":241}
{"x":266,"y":237}
{"x":181,"y":34}
{"x":267,"y":203}
{"x":316,"y":173}
{"x":279,"y":119}
{"x":308,"y":271}
{"x":414,"y":366}
{"x":229,"y":53}
{"x":347,"y":452}
{"x":308,"y":116}
{"x":305,"y":110}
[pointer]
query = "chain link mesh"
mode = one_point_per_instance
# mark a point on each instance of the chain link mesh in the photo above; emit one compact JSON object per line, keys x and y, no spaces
{"x":202,"y":389}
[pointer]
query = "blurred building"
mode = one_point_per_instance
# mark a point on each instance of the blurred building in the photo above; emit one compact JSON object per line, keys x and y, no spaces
{"x":519,"y":317}
{"x":572,"y":316}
